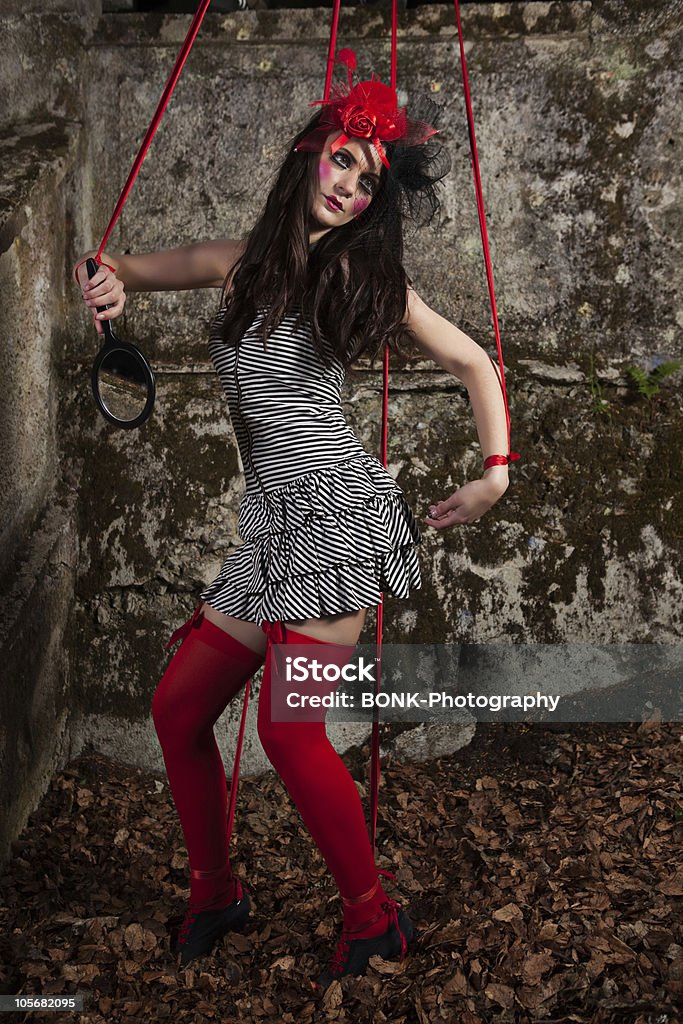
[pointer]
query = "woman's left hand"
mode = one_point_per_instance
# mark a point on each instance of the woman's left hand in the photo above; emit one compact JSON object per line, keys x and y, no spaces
{"x":467,"y":504}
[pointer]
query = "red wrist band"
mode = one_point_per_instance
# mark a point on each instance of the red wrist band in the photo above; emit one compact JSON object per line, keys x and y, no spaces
{"x":500,"y":460}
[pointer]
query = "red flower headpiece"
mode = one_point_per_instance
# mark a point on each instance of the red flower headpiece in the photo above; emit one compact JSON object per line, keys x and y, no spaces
{"x":368,"y":110}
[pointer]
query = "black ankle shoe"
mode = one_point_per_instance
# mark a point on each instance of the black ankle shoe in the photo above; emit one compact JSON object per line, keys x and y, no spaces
{"x":200,"y":929}
{"x":351,"y":955}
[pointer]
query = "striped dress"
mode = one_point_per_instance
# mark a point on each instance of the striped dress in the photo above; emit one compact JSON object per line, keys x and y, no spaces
{"x":326,"y":529}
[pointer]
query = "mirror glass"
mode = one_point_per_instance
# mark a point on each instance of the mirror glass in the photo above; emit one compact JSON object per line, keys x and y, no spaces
{"x":122,"y":384}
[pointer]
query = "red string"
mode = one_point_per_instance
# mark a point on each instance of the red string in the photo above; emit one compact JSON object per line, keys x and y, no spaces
{"x":394,"y":27}
{"x":163,"y":103}
{"x":142,"y":152}
{"x":235,"y":772}
{"x":331,"y":48}
{"x":234,"y":783}
{"x":482,"y":224}
{"x":374,"y":739}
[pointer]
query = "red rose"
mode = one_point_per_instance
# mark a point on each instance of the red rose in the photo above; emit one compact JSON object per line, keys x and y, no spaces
{"x":359,"y":121}
{"x":378,"y":103}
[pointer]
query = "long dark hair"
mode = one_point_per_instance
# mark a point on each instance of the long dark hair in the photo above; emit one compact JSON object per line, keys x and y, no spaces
{"x":351,"y":287}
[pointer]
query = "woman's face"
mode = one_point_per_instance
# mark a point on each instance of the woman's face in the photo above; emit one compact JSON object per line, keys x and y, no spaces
{"x":347,"y":181}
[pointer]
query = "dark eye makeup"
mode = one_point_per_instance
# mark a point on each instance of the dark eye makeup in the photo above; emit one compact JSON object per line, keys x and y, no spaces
{"x":373,"y":181}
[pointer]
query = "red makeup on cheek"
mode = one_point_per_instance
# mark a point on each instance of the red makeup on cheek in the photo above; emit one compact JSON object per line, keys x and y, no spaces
{"x":326,"y":175}
{"x":359,"y":205}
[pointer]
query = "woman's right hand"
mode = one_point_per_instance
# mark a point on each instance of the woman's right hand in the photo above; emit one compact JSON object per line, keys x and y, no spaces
{"x":103,"y":289}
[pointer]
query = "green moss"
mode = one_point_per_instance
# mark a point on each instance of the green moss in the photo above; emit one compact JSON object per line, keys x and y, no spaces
{"x":618,"y":61}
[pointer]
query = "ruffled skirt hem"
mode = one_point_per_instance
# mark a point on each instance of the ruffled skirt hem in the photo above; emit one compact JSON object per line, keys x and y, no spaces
{"x":341,"y":589}
{"x":329,"y":542}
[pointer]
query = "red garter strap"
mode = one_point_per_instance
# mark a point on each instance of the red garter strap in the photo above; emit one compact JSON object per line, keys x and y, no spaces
{"x":182,"y":631}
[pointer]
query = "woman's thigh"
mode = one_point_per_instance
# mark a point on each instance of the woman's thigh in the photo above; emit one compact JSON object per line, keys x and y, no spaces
{"x":338,"y":629}
{"x":344,"y":628}
{"x":248,"y":633}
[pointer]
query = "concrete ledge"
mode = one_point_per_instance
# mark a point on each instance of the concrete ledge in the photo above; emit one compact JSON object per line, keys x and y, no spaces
{"x":34,"y":155}
{"x":75,"y":8}
{"x":289,"y":24}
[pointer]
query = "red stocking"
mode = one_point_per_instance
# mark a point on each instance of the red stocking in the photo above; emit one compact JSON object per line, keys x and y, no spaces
{"x":323,"y":790}
{"x":205,"y":673}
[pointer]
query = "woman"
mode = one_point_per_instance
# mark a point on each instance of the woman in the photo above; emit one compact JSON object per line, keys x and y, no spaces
{"x":326,"y":528}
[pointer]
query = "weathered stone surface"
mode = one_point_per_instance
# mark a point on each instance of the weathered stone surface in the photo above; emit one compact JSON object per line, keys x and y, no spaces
{"x":35,"y":696}
{"x":577,"y":144}
{"x":43,"y":159}
{"x":41,"y":74}
{"x":32,"y":240}
{"x":576,"y":114}
{"x":577,"y":154}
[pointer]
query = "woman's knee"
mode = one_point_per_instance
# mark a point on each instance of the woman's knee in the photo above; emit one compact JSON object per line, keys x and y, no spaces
{"x":273,"y":735}
{"x":174,"y":711}
{"x":291,"y":746}
{"x":164,"y":709}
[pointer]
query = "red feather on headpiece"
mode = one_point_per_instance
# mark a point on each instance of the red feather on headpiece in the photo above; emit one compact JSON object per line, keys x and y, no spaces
{"x":368,"y":110}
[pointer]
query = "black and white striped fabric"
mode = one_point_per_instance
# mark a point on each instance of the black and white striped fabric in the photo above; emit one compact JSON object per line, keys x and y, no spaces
{"x":326,"y":528}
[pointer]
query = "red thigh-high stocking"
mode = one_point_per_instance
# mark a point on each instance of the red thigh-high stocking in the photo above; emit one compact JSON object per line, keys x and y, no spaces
{"x":205,"y":673}
{"x":324,"y":792}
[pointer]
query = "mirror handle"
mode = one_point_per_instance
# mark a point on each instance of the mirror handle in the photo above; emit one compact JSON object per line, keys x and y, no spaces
{"x":92,"y":266}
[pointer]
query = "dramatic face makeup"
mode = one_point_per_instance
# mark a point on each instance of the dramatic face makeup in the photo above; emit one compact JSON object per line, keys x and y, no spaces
{"x":347,"y":181}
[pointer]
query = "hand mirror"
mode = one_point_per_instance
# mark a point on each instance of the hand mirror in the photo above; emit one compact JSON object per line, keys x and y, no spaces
{"x":122,"y":379}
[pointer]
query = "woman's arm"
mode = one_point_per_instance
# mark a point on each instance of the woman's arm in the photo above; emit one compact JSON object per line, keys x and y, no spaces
{"x":200,"y":265}
{"x":458,"y":354}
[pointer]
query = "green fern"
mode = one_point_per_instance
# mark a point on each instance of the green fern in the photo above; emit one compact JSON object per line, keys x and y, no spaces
{"x":648,"y":382}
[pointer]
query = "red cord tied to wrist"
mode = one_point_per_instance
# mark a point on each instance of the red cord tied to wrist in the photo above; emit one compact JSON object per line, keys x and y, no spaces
{"x":500,"y":460}
{"x":101,"y":263}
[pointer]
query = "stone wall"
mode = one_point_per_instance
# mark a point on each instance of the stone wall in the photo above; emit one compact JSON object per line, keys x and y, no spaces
{"x":578,"y":138}
{"x":44,"y":206}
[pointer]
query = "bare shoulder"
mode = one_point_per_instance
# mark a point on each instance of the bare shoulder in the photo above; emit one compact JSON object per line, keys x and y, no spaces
{"x":417,"y":313}
{"x":438,"y":338}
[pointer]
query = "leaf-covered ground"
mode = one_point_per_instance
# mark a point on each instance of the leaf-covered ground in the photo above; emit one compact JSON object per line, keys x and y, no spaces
{"x":541,"y":867}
